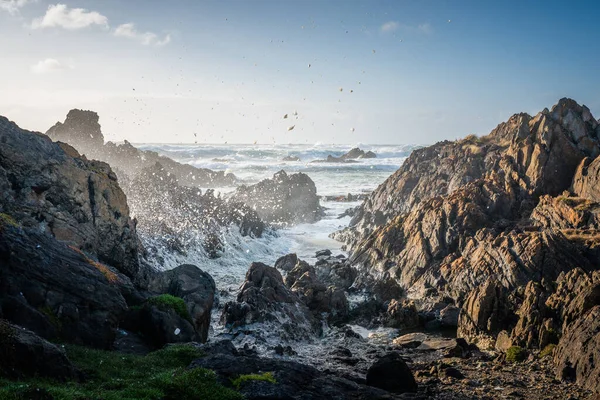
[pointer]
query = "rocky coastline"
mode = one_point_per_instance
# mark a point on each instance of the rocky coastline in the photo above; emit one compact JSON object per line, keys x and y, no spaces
{"x":472,"y":271}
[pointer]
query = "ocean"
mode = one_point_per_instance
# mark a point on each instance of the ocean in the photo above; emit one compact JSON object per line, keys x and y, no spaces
{"x":253,"y":163}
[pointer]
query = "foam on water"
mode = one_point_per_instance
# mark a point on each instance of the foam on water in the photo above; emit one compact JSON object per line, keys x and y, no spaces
{"x":253,"y":163}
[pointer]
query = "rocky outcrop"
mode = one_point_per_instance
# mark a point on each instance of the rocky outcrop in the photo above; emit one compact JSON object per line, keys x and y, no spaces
{"x":82,"y":131}
{"x":349,"y":157}
{"x":503,"y":227}
{"x":264,"y":298}
{"x":26,"y":355}
{"x":51,"y":188}
{"x":283,"y":200}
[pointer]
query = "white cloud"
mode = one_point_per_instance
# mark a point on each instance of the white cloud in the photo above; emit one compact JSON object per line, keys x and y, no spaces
{"x":146,"y":38}
{"x":61,"y":16}
{"x":426,"y":28}
{"x":390,"y":26}
{"x":49,"y":65}
{"x":13,"y":6}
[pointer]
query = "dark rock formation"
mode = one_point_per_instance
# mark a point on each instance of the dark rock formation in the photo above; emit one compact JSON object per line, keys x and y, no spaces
{"x":26,"y":355}
{"x":391,"y":373}
{"x":291,"y":159}
{"x":349,"y":157}
{"x":195,"y":287}
{"x":263,"y":297}
{"x":287,"y":262}
{"x":283,"y":200}
{"x":576,"y":356}
{"x":293,"y":380}
{"x":51,"y":189}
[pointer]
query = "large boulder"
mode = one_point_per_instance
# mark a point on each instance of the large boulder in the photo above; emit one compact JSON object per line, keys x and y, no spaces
{"x":195,"y":287}
{"x":283,"y":200}
{"x":391,"y":373}
{"x":26,"y":355}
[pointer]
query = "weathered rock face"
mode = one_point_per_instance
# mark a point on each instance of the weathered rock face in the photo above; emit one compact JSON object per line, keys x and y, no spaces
{"x":73,"y":199}
{"x":264,"y":298}
{"x":490,"y":225}
{"x":283,"y":200}
{"x":81,"y":130}
{"x":195,"y":287}
{"x":576,"y":356}
{"x":58,"y":292}
{"x":25,"y":355}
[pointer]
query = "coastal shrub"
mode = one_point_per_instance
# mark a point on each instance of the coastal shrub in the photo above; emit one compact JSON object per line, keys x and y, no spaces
{"x":516,"y":354}
{"x":162,"y":374}
{"x":548,"y":350}
{"x":168,"y":302}
{"x":240,"y":380}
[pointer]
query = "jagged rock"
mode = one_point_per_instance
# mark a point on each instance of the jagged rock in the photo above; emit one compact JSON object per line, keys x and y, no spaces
{"x":585,"y":182}
{"x":290,"y":159}
{"x":391,"y":373}
{"x":575,"y":357}
{"x":484,"y":314}
{"x":526,"y":332}
{"x":160,"y":326}
{"x":263,"y":297}
{"x":448,"y":347}
{"x":283,"y":200}
{"x":287,"y":262}
{"x":73,"y":199}
{"x":402,"y":315}
{"x":410,"y":340}
{"x":195,"y":287}
{"x":349,"y":157}
{"x":82,"y":130}
{"x":26,"y":355}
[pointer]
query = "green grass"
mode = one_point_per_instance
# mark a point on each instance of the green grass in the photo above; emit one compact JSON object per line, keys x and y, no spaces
{"x":516,"y":354}
{"x":240,"y":380}
{"x":548,"y":350}
{"x":161,"y":375}
{"x":168,"y":302}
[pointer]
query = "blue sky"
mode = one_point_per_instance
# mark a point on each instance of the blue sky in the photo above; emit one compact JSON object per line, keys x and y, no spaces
{"x":354,"y":71}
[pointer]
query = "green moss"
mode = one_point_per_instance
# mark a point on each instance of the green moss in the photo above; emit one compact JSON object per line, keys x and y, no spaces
{"x":240,"y":380}
{"x":516,"y":354}
{"x":111,"y":376}
{"x":7,"y":220}
{"x":168,"y":302}
{"x":548,"y":350}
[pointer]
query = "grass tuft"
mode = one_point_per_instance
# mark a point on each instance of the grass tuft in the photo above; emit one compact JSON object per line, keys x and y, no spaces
{"x":168,"y":302}
{"x":110,"y":276}
{"x":548,"y":350}
{"x":240,"y":380}
{"x":516,"y":354}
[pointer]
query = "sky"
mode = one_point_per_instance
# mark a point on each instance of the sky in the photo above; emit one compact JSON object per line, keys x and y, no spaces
{"x":343,"y":71}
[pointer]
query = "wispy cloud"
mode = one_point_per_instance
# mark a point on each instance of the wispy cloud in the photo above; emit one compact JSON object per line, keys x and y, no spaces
{"x":61,"y":16}
{"x":389,"y":26}
{"x":49,"y":65}
{"x":13,"y":6}
{"x":146,"y":38}
{"x":425,"y":28}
